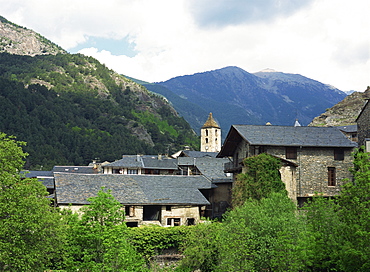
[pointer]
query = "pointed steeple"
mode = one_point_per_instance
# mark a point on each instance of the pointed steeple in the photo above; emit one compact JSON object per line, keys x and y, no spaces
{"x":210,"y":123}
{"x":296,"y":123}
{"x":210,"y":136}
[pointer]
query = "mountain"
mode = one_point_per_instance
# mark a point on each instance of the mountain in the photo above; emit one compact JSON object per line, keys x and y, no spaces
{"x":71,"y":109}
{"x":18,"y":40}
{"x":345,"y":112}
{"x":238,"y":97}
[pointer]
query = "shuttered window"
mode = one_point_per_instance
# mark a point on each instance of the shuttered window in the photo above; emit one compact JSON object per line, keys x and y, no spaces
{"x":331,"y":176}
{"x":291,"y":153}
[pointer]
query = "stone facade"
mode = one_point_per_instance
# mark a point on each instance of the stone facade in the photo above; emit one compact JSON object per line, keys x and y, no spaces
{"x":168,"y":215}
{"x":363,"y":126}
{"x":314,"y":170}
{"x":310,"y":175}
{"x":210,"y":136}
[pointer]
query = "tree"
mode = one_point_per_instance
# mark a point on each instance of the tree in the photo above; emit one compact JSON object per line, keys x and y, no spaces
{"x":263,"y":235}
{"x":202,"y":247}
{"x":31,"y":236}
{"x":261,"y":178}
{"x":355,"y":213}
{"x":99,"y":239}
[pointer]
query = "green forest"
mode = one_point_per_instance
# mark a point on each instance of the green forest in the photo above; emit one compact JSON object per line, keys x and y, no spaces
{"x":70,"y":109}
{"x":265,"y":231}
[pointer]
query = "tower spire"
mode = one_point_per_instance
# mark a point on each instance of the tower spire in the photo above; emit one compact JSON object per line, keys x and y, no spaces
{"x":210,"y":135}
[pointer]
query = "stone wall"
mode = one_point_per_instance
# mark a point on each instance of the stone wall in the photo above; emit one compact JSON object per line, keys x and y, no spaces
{"x":363,"y":125}
{"x":312,"y":171}
{"x":311,"y":175}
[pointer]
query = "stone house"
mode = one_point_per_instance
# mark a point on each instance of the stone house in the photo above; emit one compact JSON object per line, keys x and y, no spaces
{"x":142,"y":165}
{"x":363,"y":127}
{"x":314,"y":159}
{"x":148,"y":199}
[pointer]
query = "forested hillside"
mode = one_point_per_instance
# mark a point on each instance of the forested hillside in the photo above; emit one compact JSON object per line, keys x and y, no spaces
{"x":71,"y":109}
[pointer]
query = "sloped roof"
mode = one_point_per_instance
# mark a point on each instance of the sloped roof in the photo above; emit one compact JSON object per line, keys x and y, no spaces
{"x":150,"y":163}
{"x":347,"y":129}
{"x":132,"y":189}
{"x":284,"y":136}
{"x":127,"y":161}
{"x":144,"y":162}
{"x":210,"y":123}
{"x":198,"y":154}
{"x":212,"y":168}
{"x":366,"y":104}
{"x":75,"y":169}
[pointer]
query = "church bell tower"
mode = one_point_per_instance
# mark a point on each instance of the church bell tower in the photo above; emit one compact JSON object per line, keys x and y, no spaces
{"x":210,"y":136}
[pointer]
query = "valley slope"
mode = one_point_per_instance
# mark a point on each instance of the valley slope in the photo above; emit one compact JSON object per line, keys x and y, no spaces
{"x":238,"y":97}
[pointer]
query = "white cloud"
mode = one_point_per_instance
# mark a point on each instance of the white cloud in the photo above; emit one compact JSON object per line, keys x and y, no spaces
{"x":326,"y":40}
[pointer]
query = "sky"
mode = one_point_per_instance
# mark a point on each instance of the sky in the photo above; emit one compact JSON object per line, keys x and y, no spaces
{"x":325,"y":40}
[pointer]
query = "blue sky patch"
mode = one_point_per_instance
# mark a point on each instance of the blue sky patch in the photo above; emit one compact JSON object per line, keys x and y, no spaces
{"x":116,"y":47}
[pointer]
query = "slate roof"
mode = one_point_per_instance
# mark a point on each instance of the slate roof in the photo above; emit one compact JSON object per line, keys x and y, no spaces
{"x":198,"y":154}
{"x":347,"y":129}
{"x":150,"y":163}
{"x":134,"y":161}
{"x":144,"y":162}
{"x":212,"y":168}
{"x":75,"y":169}
{"x":132,"y":189}
{"x":285,"y":136}
{"x":46,"y":177}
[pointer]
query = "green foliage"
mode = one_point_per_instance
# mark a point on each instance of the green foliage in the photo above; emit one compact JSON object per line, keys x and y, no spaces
{"x":80,"y":112}
{"x":99,"y":240}
{"x":262,"y":235}
{"x":202,"y":247}
{"x":31,"y":235}
{"x":152,"y":240}
{"x":261,"y":178}
{"x":323,"y":232}
{"x":355,"y":214}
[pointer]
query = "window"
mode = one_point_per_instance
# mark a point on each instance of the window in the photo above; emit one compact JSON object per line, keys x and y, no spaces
{"x":331,"y":176}
{"x":206,"y":140}
{"x":190,"y":221}
{"x":132,"y":171}
{"x":130,"y":211}
{"x":207,"y":132}
{"x":291,"y":153}
{"x":152,"y":213}
{"x":338,"y":154}
{"x":173,"y":221}
{"x":168,"y":208}
{"x":256,"y":150}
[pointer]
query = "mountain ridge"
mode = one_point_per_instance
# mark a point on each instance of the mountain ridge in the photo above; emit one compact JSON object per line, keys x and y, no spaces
{"x":236,"y":96}
{"x":71,"y":109}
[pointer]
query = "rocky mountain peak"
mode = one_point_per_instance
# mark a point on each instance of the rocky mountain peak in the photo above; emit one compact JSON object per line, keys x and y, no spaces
{"x":343,"y":113}
{"x":18,"y":40}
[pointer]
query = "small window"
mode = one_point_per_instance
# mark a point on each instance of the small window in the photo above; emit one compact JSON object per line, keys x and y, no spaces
{"x":206,"y":140}
{"x":130,"y":211}
{"x":173,"y":221}
{"x":168,"y":208}
{"x":190,"y":221}
{"x":291,"y":153}
{"x":338,"y":154}
{"x":132,"y":224}
{"x":207,"y":132}
{"x":132,"y":171}
{"x":258,"y":149}
{"x":331,"y":176}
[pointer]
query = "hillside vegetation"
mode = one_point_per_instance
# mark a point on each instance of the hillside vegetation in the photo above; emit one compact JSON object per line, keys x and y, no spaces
{"x":71,"y":109}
